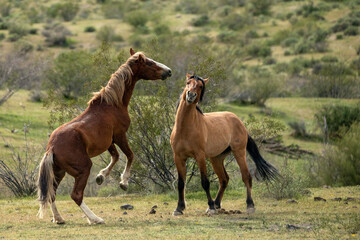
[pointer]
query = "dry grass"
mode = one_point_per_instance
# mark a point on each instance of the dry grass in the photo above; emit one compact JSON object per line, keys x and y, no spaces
{"x":316,"y":220}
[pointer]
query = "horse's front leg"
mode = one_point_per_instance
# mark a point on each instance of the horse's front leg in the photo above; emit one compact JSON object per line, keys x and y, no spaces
{"x":205,"y":183}
{"x":181,"y":169}
{"x":122,"y":142}
{"x":106,"y":171}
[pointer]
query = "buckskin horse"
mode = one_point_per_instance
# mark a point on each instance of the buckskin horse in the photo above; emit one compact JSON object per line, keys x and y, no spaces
{"x":212,"y":135}
{"x":102,"y":125}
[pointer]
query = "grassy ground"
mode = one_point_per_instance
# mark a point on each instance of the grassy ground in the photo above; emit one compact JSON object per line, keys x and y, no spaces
{"x":272,"y":220}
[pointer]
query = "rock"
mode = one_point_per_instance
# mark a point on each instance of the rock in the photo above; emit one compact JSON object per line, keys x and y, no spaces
{"x":120,"y":219}
{"x":274,"y":228}
{"x":326,"y":186}
{"x":350,"y":199}
{"x":292,"y":227}
{"x":291,"y":201}
{"x":152,"y":211}
{"x":125,"y":213}
{"x":319,"y":199}
{"x":127,"y":207}
{"x":166,"y":203}
{"x":337,"y":199}
{"x":237,"y":211}
{"x":155,"y":206}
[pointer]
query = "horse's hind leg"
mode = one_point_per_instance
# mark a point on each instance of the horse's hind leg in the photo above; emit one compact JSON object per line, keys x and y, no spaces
{"x":240,"y":156}
{"x":59,"y":175}
{"x":106,"y":171}
{"x":122,"y":142}
{"x":218,"y":166}
{"x":81,"y":173}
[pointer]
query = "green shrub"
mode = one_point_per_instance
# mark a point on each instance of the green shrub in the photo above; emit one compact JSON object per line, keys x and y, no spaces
{"x":329,"y":59}
{"x":191,"y":7}
{"x":227,"y":37}
{"x":56,"y":34}
{"x":137,"y":18}
{"x":339,"y":165}
{"x":339,"y":36}
{"x":259,"y":50}
{"x":291,"y":185}
{"x":2,"y":36}
{"x":258,"y":7}
{"x":24,"y":46}
{"x":90,"y":29}
{"x":290,"y":41}
{"x":19,"y":28}
{"x":13,"y":37}
{"x":252,"y":34}
{"x":114,"y":9}
{"x":351,"y":31}
{"x":105,"y":34}
{"x":269,"y":61}
{"x":162,"y":29}
{"x":200,"y":21}
{"x":339,"y":117}
{"x":299,"y":129}
{"x":33,"y":31}
{"x":235,"y":21}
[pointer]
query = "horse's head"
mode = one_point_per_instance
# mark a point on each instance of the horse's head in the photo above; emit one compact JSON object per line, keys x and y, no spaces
{"x":194,"y":89}
{"x":146,"y":68}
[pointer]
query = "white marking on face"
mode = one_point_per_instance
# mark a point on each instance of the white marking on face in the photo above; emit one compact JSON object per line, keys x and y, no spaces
{"x":163,"y":66}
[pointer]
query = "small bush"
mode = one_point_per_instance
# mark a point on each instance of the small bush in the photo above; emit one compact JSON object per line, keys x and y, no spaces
{"x":351,"y":31}
{"x":227,"y":36}
{"x":339,"y":117}
{"x":234,"y":21}
{"x":329,"y":59}
{"x":90,"y":29}
{"x":137,"y":18}
{"x":13,"y":37}
{"x":339,"y":165}
{"x":339,"y":36}
{"x":24,"y":46}
{"x":299,"y":129}
{"x":289,"y":186}
{"x":200,"y":21}
{"x":258,"y":7}
{"x":68,"y":10}
{"x":36,"y":96}
{"x":269,"y":61}
{"x":190,"y":7}
{"x":19,"y":28}
{"x":287,"y":53}
{"x":2,"y":36}
{"x":105,"y":34}
{"x":290,"y":41}
{"x":162,"y":29}
{"x":252,"y":34}
{"x":56,"y":34}
{"x":259,"y":50}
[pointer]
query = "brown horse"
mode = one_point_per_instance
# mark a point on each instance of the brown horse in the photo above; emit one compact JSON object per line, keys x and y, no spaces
{"x":102,"y":125}
{"x":212,"y":135}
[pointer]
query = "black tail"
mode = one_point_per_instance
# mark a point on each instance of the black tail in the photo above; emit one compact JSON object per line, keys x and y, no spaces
{"x":265,"y":169}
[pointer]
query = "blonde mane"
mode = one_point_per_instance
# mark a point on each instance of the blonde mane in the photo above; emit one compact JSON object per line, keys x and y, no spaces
{"x":113,"y":92}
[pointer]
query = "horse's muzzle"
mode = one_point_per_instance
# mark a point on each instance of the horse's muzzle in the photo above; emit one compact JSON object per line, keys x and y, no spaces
{"x":167,"y":73}
{"x":190,"y":96}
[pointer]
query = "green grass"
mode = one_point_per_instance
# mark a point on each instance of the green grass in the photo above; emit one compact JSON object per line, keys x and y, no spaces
{"x":317,"y":220}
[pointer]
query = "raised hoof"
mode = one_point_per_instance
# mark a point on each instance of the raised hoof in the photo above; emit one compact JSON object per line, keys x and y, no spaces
{"x":123,"y":186}
{"x":177,"y":213}
{"x":250,"y":210}
{"x":100,"y":179}
{"x":211,"y":211}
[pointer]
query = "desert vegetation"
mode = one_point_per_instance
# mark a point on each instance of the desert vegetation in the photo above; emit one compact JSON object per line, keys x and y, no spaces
{"x":289,"y":69}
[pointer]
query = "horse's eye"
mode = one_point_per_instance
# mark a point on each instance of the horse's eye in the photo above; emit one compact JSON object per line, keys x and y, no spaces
{"x":188,"y":83}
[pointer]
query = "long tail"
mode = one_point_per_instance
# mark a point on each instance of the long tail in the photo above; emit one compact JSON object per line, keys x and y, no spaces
{"x":265,"y":169}
{"x":45,"y":182}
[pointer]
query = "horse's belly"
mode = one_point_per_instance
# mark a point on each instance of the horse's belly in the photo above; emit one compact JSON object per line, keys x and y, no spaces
{"x":213,"y":150}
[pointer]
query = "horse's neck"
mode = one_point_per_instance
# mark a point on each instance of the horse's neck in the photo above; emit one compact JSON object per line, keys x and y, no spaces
{"x":186,"y":115}
{"x":128,"y":92}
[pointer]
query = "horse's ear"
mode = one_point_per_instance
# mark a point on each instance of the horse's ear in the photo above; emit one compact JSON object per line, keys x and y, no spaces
{"x":206,"y":80}
{"x":140,"y":58}
{"x":132,"y":52}
{"x":187,"y":75}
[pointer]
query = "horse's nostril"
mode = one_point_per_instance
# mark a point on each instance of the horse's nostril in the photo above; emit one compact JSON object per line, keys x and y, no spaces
{"x":169,"y":72}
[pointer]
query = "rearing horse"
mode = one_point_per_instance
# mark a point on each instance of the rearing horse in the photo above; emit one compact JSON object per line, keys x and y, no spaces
{"x":214,"y":136}
{"x":102,"y":125}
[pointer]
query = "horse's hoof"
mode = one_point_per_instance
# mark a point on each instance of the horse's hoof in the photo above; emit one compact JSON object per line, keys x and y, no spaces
{"x":100,"y":179}
{"x":60,"y":222}
{"x":250,"y":210}
{"x":210,"y":211}
{"x":123,"y":186}
{"x":177,"y":213}
{"x":96,"y":221}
